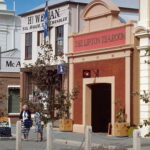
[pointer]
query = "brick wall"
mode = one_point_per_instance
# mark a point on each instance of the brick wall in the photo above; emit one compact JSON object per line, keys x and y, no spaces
{"x":7,"y":79}
{"x":114,"y":67}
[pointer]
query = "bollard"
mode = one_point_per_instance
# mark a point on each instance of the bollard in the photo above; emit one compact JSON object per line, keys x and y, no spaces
{"x":136,"y":139}
{"x":88,"y":141}
{"x":49,"y":137}
{"x":18,"y":136}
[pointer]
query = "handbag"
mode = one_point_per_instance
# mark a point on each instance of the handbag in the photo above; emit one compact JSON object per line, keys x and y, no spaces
{"x":28,"y":123}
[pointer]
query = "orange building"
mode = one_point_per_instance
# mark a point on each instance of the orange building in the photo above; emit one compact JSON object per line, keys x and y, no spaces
{"x":102,"y":63}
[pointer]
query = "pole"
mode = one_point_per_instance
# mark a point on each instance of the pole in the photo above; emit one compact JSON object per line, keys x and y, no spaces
{"x":14,"y":37}
{"x":14,"y":6}
{"x":0,"y":59}
{"x":49,"y":137}
{"x":88,"y":142}
{"x":136,"y":139}
{"x":18,"y":136}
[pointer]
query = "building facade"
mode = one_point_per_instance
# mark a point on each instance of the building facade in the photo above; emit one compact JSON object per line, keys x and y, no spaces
{"x":10,"y":27}
{"x":64,"y":18}
{"x":103,"y":64}
{"x":143,"y":36}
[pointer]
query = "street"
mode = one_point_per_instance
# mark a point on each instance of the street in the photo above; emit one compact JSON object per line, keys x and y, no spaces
{"x":73,"y":141}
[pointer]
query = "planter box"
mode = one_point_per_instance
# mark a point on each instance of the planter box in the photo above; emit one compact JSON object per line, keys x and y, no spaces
{"x":5,"y":132}
{"x":66,"y":125}
{"x":121,"y":129}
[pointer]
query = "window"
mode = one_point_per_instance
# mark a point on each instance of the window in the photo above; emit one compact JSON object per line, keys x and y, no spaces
{"x":28,"y":45}
{"x":40,"y":40}
{"x":59,"y":39}
{"x":13,"y":100}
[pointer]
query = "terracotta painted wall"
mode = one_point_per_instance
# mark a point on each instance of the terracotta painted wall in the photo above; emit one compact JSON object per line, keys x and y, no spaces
{"x":114,"y":67}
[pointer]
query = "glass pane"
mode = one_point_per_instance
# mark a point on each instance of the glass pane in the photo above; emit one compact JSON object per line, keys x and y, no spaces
{"x":28,"y":45}
{"x":29,"y":52}
{"x":59,"y":39}
{"x":28,"y":39}
{"x":13,"y":101}
{"x":41,"y":38}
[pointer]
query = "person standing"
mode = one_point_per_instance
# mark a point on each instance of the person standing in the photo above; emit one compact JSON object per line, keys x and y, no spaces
{"x":38,"y":124}
{"x":26,"y":121}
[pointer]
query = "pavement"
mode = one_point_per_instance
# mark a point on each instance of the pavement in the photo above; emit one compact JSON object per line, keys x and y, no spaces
{"x":73,"y":141}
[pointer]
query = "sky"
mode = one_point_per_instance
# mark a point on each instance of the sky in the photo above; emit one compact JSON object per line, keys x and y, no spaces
{"x":23,"y":5}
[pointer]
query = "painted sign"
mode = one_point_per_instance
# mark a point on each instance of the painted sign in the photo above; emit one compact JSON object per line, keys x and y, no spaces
{"x":5,"y":122}
{"x":10,"y":62}
{"x":57,"y":17}
{"x":10,"y":65}
{"x":101,"y":39}
{"x":61,"y":69}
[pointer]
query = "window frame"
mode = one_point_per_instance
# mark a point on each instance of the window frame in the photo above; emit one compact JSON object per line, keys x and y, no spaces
{"x":27,"y":47}
{"x":8,"y":88}
{"x":38,"y":37}
{"x":57,"y":38}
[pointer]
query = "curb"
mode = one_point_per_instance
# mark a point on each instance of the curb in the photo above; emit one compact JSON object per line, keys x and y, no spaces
{"x":7,"y":138}
{"x":13,"y":137}
{"x":94,"y":146}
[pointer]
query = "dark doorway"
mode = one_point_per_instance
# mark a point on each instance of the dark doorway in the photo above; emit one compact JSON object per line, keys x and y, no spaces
{"x":101,"y":107}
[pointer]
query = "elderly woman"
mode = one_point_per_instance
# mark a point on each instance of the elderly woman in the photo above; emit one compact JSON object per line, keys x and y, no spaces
{"x":25,"y":117}
{"x":38,"y":122}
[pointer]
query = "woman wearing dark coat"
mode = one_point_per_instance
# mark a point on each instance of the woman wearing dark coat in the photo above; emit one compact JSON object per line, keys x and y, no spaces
{"x":25,"y":116}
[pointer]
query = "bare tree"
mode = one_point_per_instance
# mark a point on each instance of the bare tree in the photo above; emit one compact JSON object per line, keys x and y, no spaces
{"x":44,"y":75}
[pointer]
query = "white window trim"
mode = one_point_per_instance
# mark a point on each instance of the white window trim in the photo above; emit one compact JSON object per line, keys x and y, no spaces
{"x":13,"y":114}
{"x":12,"y":86}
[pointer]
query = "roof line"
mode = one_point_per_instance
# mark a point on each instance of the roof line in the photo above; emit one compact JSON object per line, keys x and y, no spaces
{"x":51,"y":6}
{"x":129,"y":8}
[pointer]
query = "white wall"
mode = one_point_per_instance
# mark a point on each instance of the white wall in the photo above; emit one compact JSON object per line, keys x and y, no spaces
{"x":144,"y":43}
{"x":70,"y":26}
{"x":10,"y":27}
{"x":144,"y":13}
{"x":144,"y":86}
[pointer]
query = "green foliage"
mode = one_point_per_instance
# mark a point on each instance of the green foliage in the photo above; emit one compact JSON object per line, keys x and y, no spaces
{"x":44,"y":73}
{"x":44,"y":76}
{"x":120,"y":114}
{"x":145,"y":97}
{"x":64,"y":101}
{"x":147,"y":53}
{"x":38,"y":107}
{"x":3,"y":109}
{"x":145,"y":123}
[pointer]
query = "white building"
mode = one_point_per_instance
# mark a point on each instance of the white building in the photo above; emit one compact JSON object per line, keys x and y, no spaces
{"x":10,"y":27}
{"x":143,"y":35}
{"x":64,"y":19}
